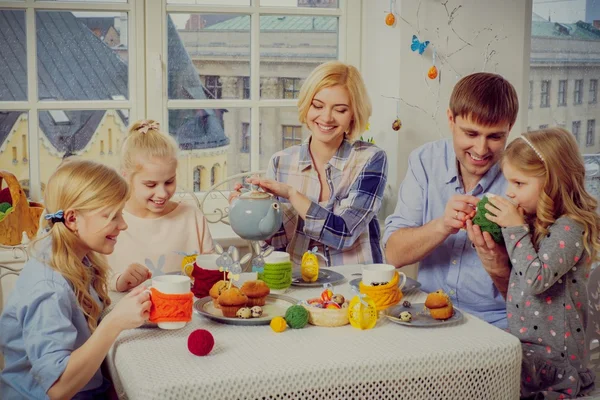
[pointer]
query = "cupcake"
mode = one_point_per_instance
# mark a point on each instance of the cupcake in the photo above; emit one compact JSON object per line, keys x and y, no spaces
{"x":216,"y":290}
{"x":256,"y":291}
{"x":231,"y":300}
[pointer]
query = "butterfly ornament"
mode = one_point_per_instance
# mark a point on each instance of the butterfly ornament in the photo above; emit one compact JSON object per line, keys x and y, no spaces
{"x":417,"y":45}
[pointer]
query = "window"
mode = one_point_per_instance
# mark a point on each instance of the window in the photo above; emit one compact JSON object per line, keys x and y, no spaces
{"x":562,"y":93}
{"x":545,"y":94}
{"x":576,"y":129}
{"x":590,"y":135}
{"x":578,"y":93}
{"x":543,"y":126}
{"x":179,"y":63}
{"x":245,"y":137}
{"x":530,"y":94}
{"x":593,"y":91}
{"x":291,"y":87}
{"x":292,"y":135}
{"x":213,"y":87}
{"x":246,"y":83}
{"x":563,"y":44}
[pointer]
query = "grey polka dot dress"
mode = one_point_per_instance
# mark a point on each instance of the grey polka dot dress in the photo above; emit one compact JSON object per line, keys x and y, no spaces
{"x":546,"y":306}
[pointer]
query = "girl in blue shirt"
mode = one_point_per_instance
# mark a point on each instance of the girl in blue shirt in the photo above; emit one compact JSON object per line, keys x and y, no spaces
{"x":52,"y":340}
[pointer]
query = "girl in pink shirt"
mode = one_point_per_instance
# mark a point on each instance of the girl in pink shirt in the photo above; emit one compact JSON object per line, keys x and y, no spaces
{"x":160,"y":230}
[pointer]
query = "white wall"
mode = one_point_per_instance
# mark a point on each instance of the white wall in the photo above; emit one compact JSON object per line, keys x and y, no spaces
{"x":495,"y":31}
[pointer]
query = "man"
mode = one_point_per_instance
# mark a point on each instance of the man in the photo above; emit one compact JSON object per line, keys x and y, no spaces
{"x":437,"y":199}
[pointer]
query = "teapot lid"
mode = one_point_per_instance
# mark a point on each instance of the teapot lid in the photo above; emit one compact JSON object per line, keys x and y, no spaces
{"x":256,"y":195}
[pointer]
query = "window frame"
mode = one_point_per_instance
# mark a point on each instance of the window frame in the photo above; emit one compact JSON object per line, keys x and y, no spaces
{"x":33,"y":105}
{"x":293,"y":138}
{"x":295,"y":82}
{"x":576,"y":132}
{"x":590,"y":133}
{"x":562,"y":92}
{"x":545,"y":94}
{"x":578,"y":92}
{"x":593,"y":91}
{"x":157,"y":102}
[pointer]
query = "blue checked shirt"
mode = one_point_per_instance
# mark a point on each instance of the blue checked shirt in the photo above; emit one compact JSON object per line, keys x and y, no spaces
{"x":346,"y":225}
{"x":454,"y":266}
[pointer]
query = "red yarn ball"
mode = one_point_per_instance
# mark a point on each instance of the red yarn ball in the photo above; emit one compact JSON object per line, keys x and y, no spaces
{"x":200,"y":342}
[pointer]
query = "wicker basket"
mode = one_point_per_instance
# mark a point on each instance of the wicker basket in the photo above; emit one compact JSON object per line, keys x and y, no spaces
{"x":23,"y":217}
{"x":330,"y":317}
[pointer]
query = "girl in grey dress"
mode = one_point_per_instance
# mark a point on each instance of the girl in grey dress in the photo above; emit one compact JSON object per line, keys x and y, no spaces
{"x":550,"y":228}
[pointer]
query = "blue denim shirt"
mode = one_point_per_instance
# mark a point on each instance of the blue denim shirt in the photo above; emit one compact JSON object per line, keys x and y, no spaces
{"x":42,"y":324}
{"x":454,"y":266}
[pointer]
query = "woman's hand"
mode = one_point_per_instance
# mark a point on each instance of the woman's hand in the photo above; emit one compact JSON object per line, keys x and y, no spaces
{"x":505,"y":213}
{"x":235,"y":193}
{"x":134,"y":275}
{"x":132,"y":310}
{"x":272,"y":186}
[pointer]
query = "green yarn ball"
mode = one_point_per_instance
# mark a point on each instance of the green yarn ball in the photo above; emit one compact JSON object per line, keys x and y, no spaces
{"x":485,"y":224}
{"x":5,"y":206}
{"x":296,"y":317}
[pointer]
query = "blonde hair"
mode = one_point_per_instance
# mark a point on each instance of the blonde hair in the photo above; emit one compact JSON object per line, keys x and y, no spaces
{"x":335,"y":73}
{"x":81,"y":185}
{"x":485,"y":98}
{"x":145,"y":140}
{"x":553,"y":154}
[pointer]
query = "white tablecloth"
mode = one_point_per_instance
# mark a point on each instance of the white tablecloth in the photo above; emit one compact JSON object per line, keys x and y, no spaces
{"x":466,"y":360}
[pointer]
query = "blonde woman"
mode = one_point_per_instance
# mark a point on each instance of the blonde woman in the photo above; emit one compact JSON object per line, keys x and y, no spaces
{"x":52,"y":340}
{"x":551,"y":231}
{"x":149,"y":163}
{"x":330,"y":186}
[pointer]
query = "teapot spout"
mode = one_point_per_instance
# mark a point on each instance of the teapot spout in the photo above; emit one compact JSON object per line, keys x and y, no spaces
{"x":270,"y":223}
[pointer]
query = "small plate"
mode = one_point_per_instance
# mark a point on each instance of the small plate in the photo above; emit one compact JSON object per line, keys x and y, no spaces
{"x":325,"y":276}
{"x":410,"y":284}
{"x":276,"y":306}
{"x":420,"y":317}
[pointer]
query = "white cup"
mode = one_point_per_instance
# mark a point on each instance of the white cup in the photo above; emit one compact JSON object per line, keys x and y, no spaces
{"x":171,"y":284}
{"x":207,"y":261}
{"x":245,"y":277}
{"x":379,"y":274}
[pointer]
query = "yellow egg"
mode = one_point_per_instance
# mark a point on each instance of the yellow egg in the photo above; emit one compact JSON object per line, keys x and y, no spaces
{"x":278,"y":324}
{"x":362,"y":316}
{"x":309,"y":268}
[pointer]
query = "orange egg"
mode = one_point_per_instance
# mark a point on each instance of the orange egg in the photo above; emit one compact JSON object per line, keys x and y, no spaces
{"x":390,"y":19}
{"x":333,"y":305}
{"x":326,"y":295}
{"x":432,"y":73}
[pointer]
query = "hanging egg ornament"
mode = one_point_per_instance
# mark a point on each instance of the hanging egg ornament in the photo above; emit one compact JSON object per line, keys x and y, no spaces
{"x":362,"y":316}
{"x":433,"y":72}
{"x":309,"y":267}
{"x":390,"y":19}
{"x":397,"y":124}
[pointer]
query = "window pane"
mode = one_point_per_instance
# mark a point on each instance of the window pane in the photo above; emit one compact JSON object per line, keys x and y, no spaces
{"x":13,"y":56}
{"x":300,"y":3}
{"x":91,"y":134}
{"x":563,"y":64}
{"x":287,"y":39}
{"x":14,"y":145}
{"x":280,"y":128}
{"x":211,"y":143}
{"x":82,"y":55}
{"x":209,"y":56}
{"x":212,"y":2}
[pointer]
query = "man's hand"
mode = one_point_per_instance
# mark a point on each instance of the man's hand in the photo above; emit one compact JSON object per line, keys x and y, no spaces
{"x":493,"y":256}
{"x":459,"y":209}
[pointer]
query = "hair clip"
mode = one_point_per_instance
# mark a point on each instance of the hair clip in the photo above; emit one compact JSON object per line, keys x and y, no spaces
{"x":58,"y":216}
{"x":533,"y":148}
{"x":146,"y":126}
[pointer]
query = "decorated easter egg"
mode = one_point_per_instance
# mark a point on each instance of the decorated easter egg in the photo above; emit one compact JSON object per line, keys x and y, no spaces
{"x":362,"y":316}
{"x":397,"y":124}
{"x":432,"y":73}
{"x":309,"y":267}
{"x":278,"y":324}
{"x":390,"y":19}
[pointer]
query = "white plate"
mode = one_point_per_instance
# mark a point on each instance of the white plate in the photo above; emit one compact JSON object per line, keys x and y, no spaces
{"x":325,"y":276}
{"x":276,"y":306}
{"x":420,"y":316}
